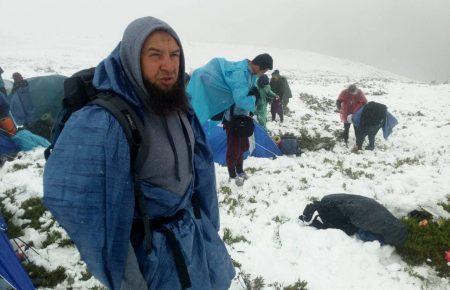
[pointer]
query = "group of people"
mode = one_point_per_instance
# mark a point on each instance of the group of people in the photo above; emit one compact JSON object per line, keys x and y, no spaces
{"x":153,"y":222}
{"x":367,"y":117}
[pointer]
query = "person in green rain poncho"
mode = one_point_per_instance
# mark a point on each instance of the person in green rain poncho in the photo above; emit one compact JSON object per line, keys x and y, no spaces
{"x":265,"y":95}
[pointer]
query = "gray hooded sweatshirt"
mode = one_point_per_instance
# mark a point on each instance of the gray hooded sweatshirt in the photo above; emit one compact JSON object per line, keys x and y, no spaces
{"x":171,"y":139}
{"x":169,"y":162}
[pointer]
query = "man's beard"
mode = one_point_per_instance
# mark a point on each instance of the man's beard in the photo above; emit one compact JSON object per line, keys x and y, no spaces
{"x":164,"y":102}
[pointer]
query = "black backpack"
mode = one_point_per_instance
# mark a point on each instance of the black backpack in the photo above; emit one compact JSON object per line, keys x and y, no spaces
{"x":80,"y":92}
{"x":240,"y":126}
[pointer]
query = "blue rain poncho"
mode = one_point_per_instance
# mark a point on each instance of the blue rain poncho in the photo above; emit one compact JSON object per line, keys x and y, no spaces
{"x":89,"y":189}
{"x":219,"y":84}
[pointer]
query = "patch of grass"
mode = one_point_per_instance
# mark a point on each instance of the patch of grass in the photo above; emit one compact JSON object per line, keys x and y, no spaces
{"x":315,"y":142}
{"x":85,"y":275}
{"x":276,"y":171}
{"x":41,"y":277}
{"x":13,"y":230}
{"x":317,"y":104}
{"x":252,"y":200}
{"x":34,"y":209}
{"x":446,"y":206}
{"x":328,"y":174}
{"x":19,"y":166}
{"x":98,"y":288}
{"x":425,"y":244}
{"x":356,"y":174}
{"x":236,"y":264}
{"x":280,"y":219}
{"x":407,"y":161}
{"x":252,"y":284}
{"x":299,"y":285}
{"x":65,"y":243}
{"x":252,"y":170}
{"x":230,"y":239}
{"x":225,"y":190}
{"x":52,"y":237}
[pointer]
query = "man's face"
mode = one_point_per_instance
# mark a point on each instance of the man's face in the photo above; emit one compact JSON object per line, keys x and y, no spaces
{"x":160,"y":60}
{"x":259,"y":71}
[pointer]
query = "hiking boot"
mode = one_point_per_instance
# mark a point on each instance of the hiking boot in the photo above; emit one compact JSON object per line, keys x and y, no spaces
{"x":243,"y":175}
{"x":371,"y":148}
{"x":239,"y":181}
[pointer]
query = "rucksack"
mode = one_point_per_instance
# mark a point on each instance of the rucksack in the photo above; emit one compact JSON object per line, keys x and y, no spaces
{"x":240,"y":125}
{"x":80,"y":92}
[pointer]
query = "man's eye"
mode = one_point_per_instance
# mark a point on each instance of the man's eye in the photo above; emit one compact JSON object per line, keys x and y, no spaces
{"x":175,"y":55}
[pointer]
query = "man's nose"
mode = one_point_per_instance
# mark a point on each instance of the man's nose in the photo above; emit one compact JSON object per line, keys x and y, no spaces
{"x":167,"y":63}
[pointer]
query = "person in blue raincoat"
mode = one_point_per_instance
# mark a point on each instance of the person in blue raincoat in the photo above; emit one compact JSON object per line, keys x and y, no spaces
{"x":230,"y":87}
{"x":89,"y":187}
{"x":368,"y":120}
{"x":216,"y":86}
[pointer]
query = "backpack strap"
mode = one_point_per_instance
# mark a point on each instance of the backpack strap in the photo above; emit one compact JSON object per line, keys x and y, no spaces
{"x":133,"y":127}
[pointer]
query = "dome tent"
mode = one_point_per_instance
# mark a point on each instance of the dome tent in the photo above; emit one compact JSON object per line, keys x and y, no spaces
{"x":263,"y":145}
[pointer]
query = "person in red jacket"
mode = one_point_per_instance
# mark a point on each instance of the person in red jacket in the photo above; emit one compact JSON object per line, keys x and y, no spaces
{"x":348,"y":102}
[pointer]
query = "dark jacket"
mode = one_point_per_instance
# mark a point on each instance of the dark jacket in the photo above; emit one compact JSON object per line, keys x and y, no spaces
{"x":281,"y":87}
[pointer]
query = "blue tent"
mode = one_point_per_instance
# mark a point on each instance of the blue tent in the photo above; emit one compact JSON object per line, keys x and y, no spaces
{"x":11,"y":272}
{"x":263,"y":147}
{"x":7,"y":146}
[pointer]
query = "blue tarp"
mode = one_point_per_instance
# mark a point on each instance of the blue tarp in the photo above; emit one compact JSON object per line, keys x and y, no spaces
{"x":219,"y":84}
{"x":7,"y":146}
{"x":27,"y":141}
{"x":24,"y":140}
{"x":264,"y":147}
{"x":10,"y":268}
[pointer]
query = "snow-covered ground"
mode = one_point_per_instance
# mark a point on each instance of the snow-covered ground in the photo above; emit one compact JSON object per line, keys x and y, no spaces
{"x":408,"y":171}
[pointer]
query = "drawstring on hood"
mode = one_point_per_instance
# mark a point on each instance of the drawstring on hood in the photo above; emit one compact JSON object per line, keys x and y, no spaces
{"x":130,"y":54}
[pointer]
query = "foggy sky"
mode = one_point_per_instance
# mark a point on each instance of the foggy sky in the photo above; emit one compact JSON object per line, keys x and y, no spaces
{"x":407,"y":37}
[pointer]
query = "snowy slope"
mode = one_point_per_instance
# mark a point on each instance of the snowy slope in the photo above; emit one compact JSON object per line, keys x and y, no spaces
{"x":409,"y":170}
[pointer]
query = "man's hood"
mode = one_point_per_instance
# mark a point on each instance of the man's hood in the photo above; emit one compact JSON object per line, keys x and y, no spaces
{"x":121,"y":73}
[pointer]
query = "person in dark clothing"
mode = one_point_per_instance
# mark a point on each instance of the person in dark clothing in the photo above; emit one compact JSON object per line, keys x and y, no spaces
{"x":19,"y":82}
{"x":2,"y":84}
{"x":280,"y":86}
{"x":349,"y":101}
{"x":276,"y":107}
{"x":373,"y":117}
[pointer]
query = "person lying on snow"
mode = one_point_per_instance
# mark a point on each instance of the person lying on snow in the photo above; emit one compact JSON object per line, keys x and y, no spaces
{"x":349,"y":101}
{"x":165,"y":237}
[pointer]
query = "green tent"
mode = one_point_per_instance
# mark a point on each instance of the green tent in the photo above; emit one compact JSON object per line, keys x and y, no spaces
{"x":46,"y":93}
